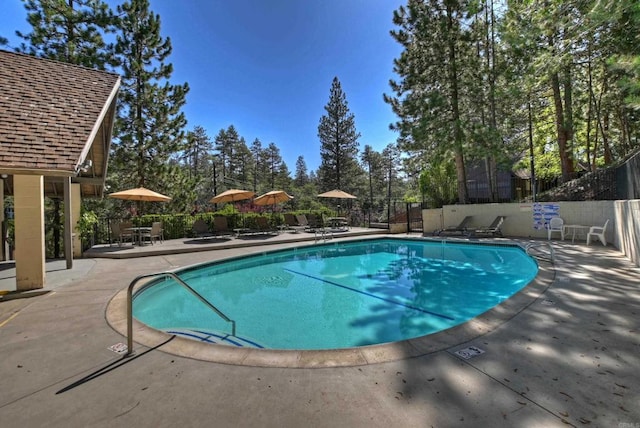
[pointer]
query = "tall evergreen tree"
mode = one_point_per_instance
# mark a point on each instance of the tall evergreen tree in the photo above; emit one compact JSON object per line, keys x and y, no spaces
{"x":301,"y":177}
{"x":150,"y":124}
{"x":69,"y":31}
{"x":278,"y":177}
{"x":428,"y":96}
{"x":568,"y":49}
{"x":196,"y":161}
{"x":257,"y":153}
{"x":196,"y":152}
{"x":338,"y":143}
{"x":550,"y":29}
{"x":229,"y":145}
{"x":242,"y":165}
{"x":376,"y":170}
{"x":390,"y":156}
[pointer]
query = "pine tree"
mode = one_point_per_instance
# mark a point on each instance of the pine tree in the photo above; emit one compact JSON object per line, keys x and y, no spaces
{"x":197,"y":150}
{"x":338,"y":143}
{"x":258,"y":163}
{"x":301,"y":177}
{"x":567,"y":53}
{"x":228,"y":143}
{"x":374,"y":166}
{"x":428,"y":98}
{"x":278,"y":173}
{"x":196,"y":162}
{"x":150,"y":124}
{"x":242,"y":164}
{"x":69,"y":31}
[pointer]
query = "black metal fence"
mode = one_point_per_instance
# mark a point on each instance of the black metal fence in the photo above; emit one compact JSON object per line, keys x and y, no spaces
{"x":627,"y":178}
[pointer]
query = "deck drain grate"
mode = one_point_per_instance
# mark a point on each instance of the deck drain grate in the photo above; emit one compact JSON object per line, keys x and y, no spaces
{"x":470,"y":352}
{"x":118,"y":348}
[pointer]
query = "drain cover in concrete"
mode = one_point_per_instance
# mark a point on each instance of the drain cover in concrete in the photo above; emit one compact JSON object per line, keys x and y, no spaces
{"x":470,"y":352}
{"x":118,"y":348}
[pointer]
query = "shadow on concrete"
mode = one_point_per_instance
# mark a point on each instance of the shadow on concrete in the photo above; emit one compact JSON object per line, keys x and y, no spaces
{"x":111,"y":366}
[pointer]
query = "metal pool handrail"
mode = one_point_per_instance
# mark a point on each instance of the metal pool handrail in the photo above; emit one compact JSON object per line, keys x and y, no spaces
{"x":179,"y":281}
{"x":541,"y":244}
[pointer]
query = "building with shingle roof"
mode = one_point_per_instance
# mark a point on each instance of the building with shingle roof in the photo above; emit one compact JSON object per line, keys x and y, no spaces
{"x":54,"y":117}
{"x":56,"y":123}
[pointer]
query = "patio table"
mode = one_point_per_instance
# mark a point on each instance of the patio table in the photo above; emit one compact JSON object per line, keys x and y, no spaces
{"x":338,"y":222}
{"x":575,"y":229}
{"x":138,"y":232}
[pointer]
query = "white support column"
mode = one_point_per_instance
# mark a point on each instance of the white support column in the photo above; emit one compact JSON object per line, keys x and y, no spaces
{"x":29,"y":231}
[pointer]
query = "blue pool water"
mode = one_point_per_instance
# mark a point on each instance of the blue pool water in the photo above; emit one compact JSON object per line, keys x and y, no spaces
{"x":339,"y":295}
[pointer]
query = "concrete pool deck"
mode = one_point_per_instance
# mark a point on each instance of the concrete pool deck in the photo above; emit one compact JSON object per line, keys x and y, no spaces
{"x":570,"y":358}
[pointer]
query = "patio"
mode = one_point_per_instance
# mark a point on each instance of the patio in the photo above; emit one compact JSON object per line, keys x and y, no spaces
{"x":190,"y":245}
{"x":569,"y":358}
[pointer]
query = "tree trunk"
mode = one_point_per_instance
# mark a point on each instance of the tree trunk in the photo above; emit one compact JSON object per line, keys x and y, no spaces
{"x":608,"y":157}
{"x":566,"y":161}
{"x":590,"y":109}
{"x":492,"y":168}
{"x":457,"y":130}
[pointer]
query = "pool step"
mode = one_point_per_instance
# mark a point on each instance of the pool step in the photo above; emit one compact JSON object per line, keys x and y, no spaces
{"x":218,"y":338}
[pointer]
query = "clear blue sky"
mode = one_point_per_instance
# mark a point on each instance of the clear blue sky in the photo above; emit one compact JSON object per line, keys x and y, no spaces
{"x":266,"y":66}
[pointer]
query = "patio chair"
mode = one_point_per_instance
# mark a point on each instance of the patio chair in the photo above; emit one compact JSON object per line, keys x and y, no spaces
{"x":556,"y":224}
{"x":292,"y":223}
{"x":314,"y":222}
{"x":159,"y":230}
{"x":598,"y":232}
{"x":201,"y":229}
{"x":460,"y":229}
{"x":263,"y":226}
{"x":221,"y":226}
{"x":494,"y":229}
{"x":303,"y":222}
{"x":154,"y":233}
{"x":120,"y":234}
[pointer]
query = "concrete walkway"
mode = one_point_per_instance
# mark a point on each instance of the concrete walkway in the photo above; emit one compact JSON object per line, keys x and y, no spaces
{"x":569,"y":359}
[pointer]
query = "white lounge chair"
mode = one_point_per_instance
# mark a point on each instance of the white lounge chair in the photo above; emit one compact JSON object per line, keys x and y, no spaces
{"x":556,"y":225}
{"x":598,"y":232}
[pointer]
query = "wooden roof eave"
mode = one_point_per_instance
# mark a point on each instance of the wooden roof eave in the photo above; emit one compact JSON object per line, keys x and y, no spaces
{"x":107,"y":112}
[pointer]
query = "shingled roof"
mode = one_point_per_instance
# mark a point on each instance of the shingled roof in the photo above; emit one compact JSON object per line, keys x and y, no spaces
{"x":53,"y":117}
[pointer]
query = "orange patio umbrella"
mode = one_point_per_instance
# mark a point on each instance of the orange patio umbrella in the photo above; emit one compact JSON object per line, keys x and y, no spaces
{"x":140,"y":194}
{"x":338,"y":194}
{"x":273,"y":197}
{"x":232,"y":195}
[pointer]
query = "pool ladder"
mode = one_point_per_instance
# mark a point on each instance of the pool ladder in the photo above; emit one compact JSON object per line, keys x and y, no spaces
{"x":323,"y":234}
{"x":179,"y":281}
{"x":536,"y":245}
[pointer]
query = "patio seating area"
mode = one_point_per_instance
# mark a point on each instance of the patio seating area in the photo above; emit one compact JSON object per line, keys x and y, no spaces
{"x":219,"y":237}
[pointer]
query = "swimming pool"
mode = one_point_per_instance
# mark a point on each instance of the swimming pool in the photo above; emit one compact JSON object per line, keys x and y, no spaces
{"x":335,"y":296}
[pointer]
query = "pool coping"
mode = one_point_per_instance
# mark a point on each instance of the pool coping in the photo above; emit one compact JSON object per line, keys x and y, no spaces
{"x":116,"y":316}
